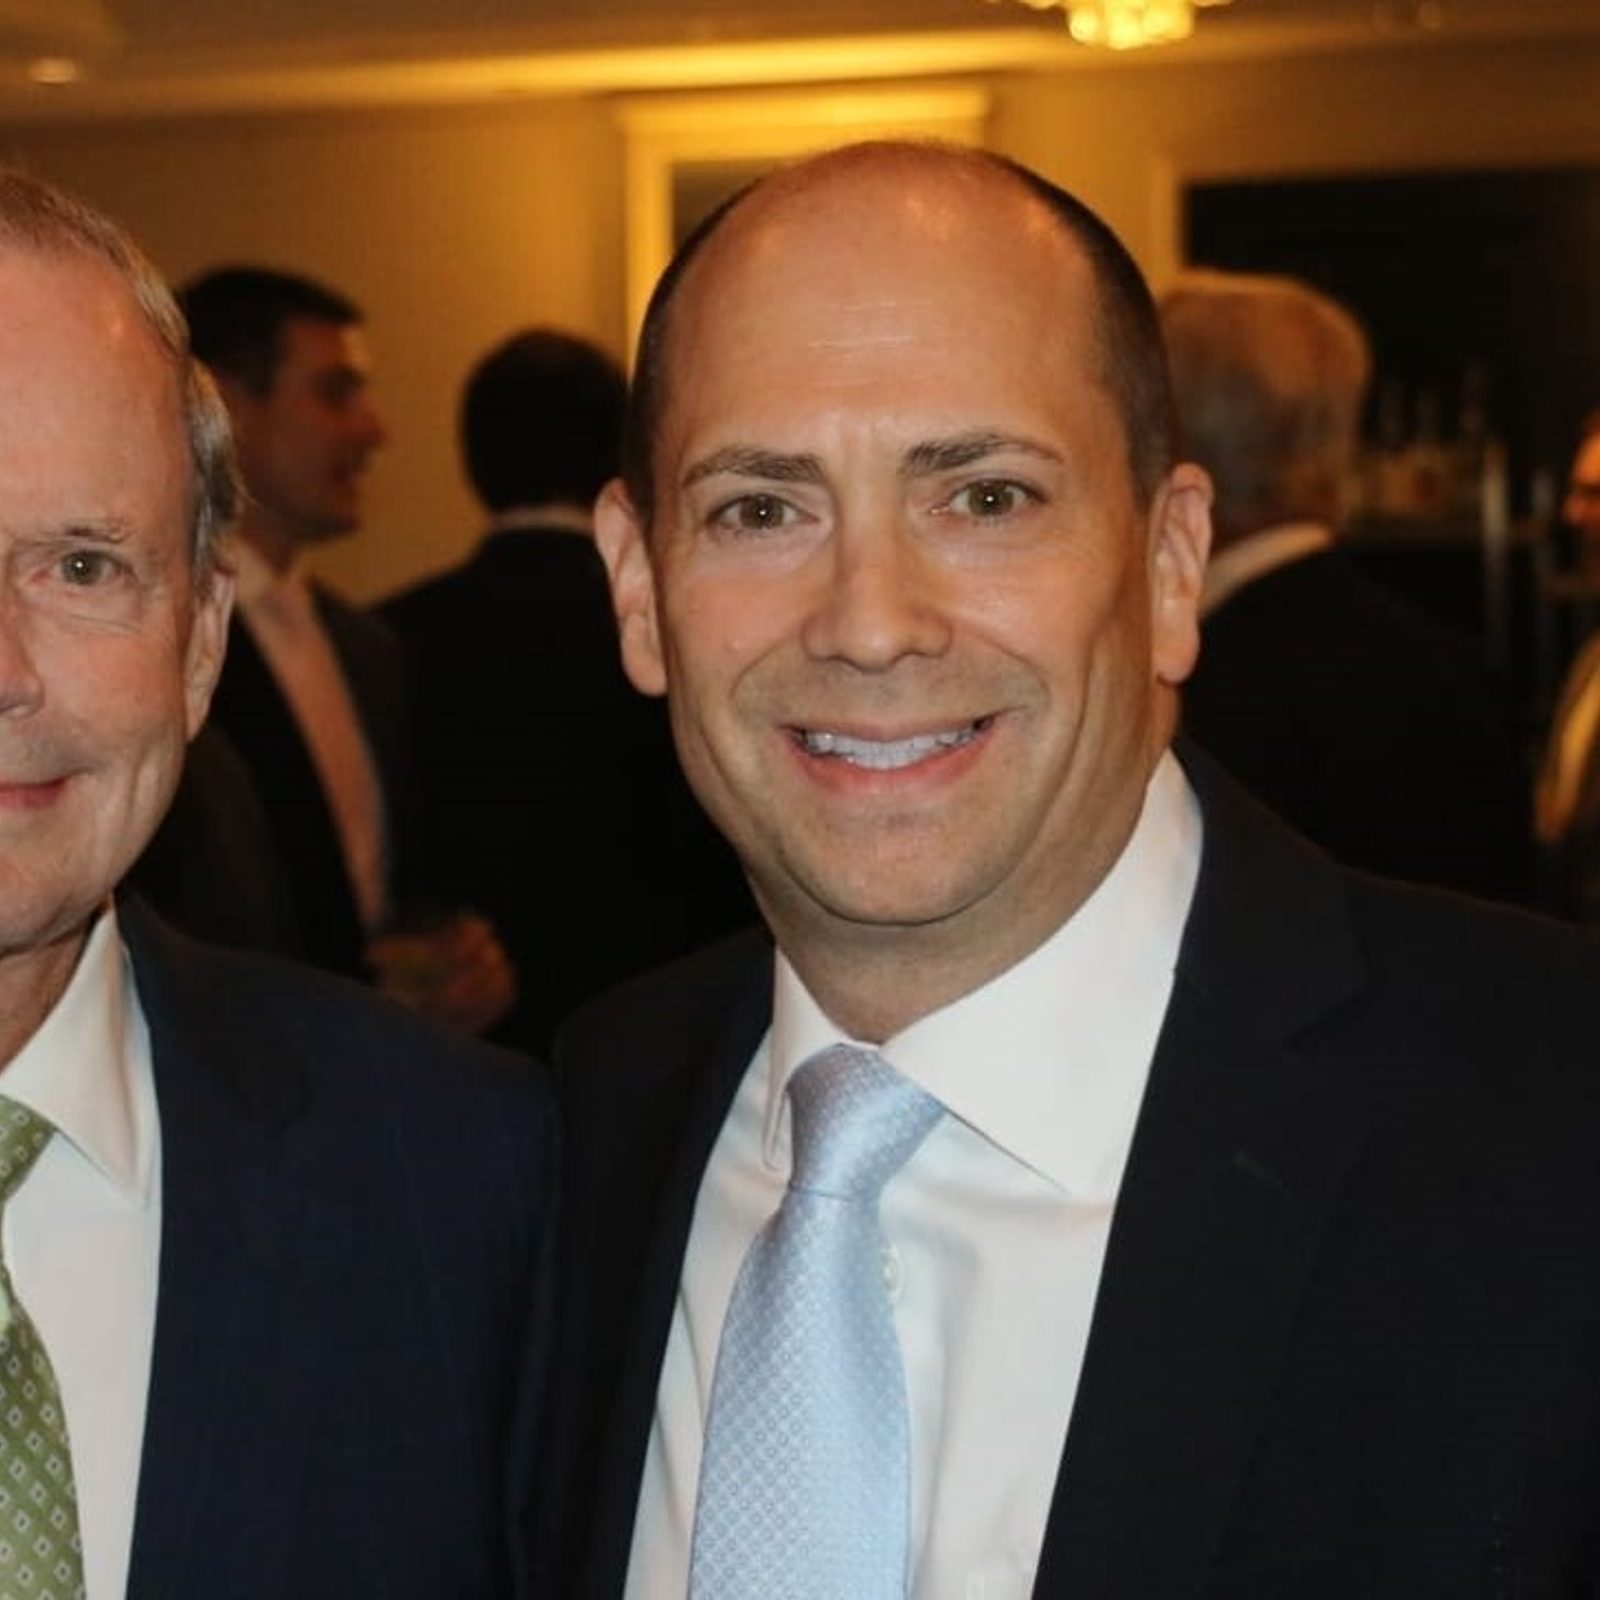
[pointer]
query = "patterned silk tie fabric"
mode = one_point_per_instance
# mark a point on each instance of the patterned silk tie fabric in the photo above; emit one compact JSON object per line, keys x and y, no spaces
{"x":805,"y":1481}
{"x":41,"y":1557}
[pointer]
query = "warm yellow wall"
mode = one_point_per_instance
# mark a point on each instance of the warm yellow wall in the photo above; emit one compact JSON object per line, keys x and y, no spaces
{"x":453,"y":226}
{"x":450,"y":227}
{"x":1126,"y":139}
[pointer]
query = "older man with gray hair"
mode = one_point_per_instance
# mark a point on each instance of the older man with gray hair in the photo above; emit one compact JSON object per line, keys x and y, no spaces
{"x":256,"y":1336}
{"x":1372,"y":728}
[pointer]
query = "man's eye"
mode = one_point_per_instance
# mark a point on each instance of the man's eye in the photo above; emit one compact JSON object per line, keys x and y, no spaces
{"x":992,"y":497}
{"x":755,"y":513}
{"x":85,"y":568}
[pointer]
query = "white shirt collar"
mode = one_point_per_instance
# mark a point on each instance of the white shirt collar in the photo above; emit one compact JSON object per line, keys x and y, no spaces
{"x":1235,"y":565}
{"x":1049,"y":1059}
{"x":562,"y":516}
{"x":78,"y":1069}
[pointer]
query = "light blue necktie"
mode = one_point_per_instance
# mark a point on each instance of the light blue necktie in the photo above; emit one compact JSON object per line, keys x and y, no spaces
{"x":805,"y":1480}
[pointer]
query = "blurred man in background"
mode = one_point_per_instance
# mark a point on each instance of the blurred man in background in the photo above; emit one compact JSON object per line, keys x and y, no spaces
{"x":555,"y":804}
{"x":312,"y":693}
{"x":1374,"y":730}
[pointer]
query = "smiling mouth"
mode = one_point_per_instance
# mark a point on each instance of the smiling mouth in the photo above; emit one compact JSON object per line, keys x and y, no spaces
{"x":886,"y":755}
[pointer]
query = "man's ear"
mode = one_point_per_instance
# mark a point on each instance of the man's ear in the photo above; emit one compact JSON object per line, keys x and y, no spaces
{"x":208,"y":643}
{"x":1180,"y":541}
{"x":620,"y":534}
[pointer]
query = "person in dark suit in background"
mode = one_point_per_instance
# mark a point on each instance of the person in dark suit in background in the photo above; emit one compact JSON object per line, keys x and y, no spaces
{"x":275,"y":1252}
{"x":555,"y":804}
{"x":1205,"y":1219}
{"x":312,"y":693}
{"x":1376,"y":731}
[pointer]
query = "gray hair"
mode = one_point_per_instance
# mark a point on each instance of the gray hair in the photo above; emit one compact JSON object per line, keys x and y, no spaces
{"x":1270,"y":376}
{"x":34,"y":216}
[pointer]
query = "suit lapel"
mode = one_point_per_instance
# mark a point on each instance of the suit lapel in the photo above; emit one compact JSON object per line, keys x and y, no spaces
{"x":1240,"y":1152}
{"x":251,"y":709}
{"x":728,"y":1050}
{"x":234,"y":1238}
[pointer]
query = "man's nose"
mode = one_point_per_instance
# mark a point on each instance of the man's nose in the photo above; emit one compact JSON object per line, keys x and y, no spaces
{"x":21,"y":687}
{"x":372,"y":430}
{"x":880,"y":599}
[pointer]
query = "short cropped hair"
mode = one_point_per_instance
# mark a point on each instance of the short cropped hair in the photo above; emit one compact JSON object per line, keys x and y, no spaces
{"x":1270,"y":376}
{"x":541,"y":420}
{"x":40,"y":219}
{"x":1132,"y":359}
{"x":237,"y":317}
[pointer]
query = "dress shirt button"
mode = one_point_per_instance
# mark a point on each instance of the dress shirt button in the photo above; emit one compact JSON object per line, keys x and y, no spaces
{"x":894,"y":1276}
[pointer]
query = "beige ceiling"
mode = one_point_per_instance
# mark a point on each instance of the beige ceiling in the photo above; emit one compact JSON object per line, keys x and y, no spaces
{"x":173,"y":56}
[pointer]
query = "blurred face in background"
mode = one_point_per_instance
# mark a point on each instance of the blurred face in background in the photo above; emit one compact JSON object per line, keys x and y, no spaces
{"x":304,"y":445}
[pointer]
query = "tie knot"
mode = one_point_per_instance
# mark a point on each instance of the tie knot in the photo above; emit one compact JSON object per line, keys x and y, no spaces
{"x":855,"y":1123}
{"x":23,"y":1134}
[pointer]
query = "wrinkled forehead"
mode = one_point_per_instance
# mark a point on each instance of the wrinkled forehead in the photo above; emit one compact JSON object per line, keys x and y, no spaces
{"x":81,"y":365}
{"x":70,"y":307}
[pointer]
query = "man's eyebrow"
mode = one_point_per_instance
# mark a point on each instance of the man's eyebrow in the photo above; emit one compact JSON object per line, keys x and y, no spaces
{"x":961,"y":450}
{"x":97,"y":530}
{"x":749,"y":461}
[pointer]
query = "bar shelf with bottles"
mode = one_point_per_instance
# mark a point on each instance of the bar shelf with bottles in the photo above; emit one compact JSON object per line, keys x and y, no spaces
{"x":1429,"y":507}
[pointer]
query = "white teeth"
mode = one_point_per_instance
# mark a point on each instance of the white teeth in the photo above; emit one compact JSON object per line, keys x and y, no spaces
{"x":883,"y":755}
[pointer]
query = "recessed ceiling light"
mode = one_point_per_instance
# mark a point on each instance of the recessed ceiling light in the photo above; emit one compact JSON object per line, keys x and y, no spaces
{"x":54,"y":70}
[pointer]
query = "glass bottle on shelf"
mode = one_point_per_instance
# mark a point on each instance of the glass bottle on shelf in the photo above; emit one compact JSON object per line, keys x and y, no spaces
{"x":1390,"y":493}
{"x":1480,"y":488}
{"x":1427,"y":461}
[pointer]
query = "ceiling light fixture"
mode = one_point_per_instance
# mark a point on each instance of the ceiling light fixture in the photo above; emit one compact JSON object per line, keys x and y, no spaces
{"x":54,"y":71}
{"x":1126,"y":24}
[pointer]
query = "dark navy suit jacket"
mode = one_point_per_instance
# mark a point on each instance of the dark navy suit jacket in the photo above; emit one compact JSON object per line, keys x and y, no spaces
{"x":1347,"y":1337}
{"x":356,"y":1229}
{"x":1372,"y":728}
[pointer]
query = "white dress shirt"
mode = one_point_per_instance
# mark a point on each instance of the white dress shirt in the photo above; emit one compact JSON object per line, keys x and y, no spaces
{"x":82,"y":1236}
{"x":996,"y":1227}
{"x":279,"y":611}
{"x":1236,"y":565}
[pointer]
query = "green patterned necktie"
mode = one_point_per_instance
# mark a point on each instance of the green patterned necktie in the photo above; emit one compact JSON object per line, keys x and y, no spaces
{"x":41,"y":1554}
